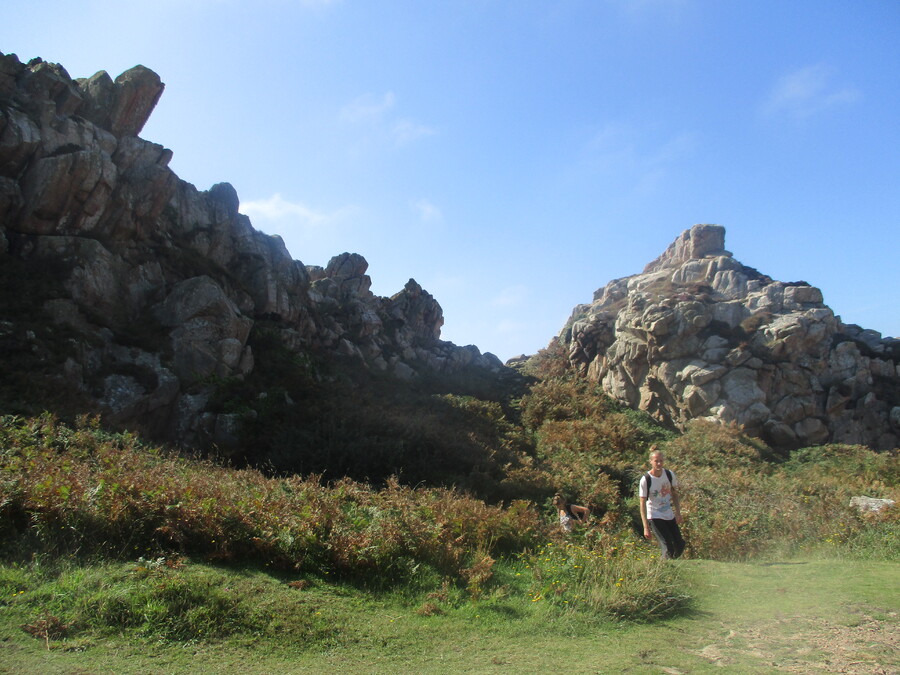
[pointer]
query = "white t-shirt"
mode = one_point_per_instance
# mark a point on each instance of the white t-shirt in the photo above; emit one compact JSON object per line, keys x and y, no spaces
{"x":659,"y":499}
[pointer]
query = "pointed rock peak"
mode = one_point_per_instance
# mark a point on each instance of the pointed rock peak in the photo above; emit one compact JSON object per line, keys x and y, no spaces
{"x":700,"y":241}
{"x":122,"y":106}
{"x":138,"y":92}
{"x":225,"y":194}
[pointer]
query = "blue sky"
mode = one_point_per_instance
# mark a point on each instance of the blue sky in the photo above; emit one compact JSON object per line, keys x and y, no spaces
{"x":515,"y":155}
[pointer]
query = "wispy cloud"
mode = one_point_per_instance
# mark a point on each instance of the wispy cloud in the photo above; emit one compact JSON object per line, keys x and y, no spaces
{"x":807,"y":91}
{"x":627,"y":152}
{"x":368,"y":108}
{"x":623,"y":144}
{"x":277,"y":208}
{"x":309,"y":233}
{"x":426,"y":211}
{"x":378,"y":114}
{"x":406,"y":131}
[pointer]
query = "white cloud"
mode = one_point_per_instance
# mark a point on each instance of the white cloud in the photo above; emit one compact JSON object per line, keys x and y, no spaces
{"x":626,"y":152}
{"x":807,"y":91}
{"x":377,"y":114}
{"x":406,"y":131}
{"x":427,"y":212}
{"x":621,"y":144}
{"x":277,"y":208}
{"x":308,"y":233}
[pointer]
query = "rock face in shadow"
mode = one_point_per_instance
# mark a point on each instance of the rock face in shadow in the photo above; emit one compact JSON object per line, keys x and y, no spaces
{"x":161,"y":284}
{"x":699,"y":335}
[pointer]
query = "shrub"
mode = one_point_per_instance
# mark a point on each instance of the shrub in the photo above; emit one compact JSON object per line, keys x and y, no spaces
{"x":563,"y":399}
{"x":735,"y":513}
{"x":82,"y":490}
{"x":548,"y":363}
{"x":756,"y":321}
{"x":708,"y":444}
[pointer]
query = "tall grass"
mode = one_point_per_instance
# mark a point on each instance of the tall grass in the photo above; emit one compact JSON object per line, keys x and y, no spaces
{"x":156,"y":599}
{"x":615,"y":576}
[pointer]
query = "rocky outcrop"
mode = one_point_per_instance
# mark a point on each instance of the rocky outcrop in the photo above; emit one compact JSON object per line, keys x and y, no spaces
{"x":163,"y":283}
{"x":699,"y":335}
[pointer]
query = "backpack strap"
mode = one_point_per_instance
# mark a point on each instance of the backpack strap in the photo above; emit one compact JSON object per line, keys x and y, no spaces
{"x":650,"y":479}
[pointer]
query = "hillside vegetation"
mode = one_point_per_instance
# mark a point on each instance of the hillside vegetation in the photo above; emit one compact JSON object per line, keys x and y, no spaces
{"x":469,"y":523}
{"x":418,"y":503}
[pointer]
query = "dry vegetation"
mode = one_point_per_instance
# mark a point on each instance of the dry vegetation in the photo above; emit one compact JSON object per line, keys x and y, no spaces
{"x":482,"y":529}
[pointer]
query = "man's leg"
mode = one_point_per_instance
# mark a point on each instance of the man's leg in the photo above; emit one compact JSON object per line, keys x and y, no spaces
{"x":657,"y":527}
{"x":678,"y":540}
{"x":671,"y":543}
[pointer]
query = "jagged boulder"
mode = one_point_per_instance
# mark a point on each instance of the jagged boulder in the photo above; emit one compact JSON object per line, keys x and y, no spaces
{"x":121,"y":107}
{"x":699,"y":335}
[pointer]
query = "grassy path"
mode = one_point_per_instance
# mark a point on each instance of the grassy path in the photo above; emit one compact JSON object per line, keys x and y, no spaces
{"x":816,"y":616}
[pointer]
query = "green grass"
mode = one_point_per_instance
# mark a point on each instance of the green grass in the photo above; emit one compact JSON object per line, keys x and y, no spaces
{"x":803,"y":615}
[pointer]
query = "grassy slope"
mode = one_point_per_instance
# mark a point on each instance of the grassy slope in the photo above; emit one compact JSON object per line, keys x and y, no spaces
{"x":817,"y":615}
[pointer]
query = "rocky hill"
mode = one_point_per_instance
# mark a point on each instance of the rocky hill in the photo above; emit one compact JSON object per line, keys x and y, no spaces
{"x":136,"y":294}
{"x":699,"y":335}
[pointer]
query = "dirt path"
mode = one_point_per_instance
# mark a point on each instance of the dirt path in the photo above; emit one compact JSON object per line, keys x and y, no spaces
{"x":804,"y":645}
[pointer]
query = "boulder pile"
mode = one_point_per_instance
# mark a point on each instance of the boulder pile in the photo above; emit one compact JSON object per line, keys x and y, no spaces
{"x":162,"y":283}
{"x":699,"y":335}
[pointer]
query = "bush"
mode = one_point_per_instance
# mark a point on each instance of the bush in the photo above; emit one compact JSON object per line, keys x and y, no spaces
{"x":710,"y":444}
{"x":551,"y":362}
{"x":563,"y":399}
{"x":734,"y":513}
{"x":83,"y":490}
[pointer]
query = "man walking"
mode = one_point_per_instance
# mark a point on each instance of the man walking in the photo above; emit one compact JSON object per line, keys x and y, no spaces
{"x":660,"y":506}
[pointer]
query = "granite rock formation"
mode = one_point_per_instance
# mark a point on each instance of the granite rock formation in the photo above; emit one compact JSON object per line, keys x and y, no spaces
{"x":699,"y":335}
{"x":162,"y":283}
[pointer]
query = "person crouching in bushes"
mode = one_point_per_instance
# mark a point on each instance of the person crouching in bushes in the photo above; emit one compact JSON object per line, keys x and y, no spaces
{"x":569,"y":514}
{"x":661,"y":507}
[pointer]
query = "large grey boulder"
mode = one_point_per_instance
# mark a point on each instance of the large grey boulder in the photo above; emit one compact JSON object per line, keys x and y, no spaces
{"x":209,"y":333}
